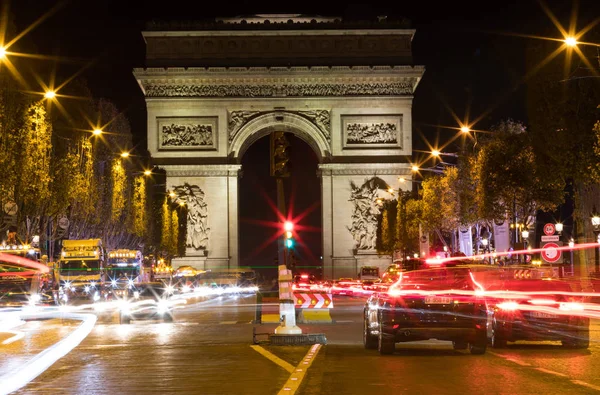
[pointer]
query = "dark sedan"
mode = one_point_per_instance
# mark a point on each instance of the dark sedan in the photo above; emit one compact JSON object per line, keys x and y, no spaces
{"x":442,"y":303}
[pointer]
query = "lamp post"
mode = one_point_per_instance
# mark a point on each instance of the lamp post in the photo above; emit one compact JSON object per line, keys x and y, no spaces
{"x":596,"y":226}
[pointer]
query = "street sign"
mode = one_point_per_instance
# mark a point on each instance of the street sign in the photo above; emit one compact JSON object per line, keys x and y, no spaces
{"x":550,"y":253}
{"x":10,"y":208}
{"x":63,"y":222}
{"x":549,"y":229}
{"x":551,"y":238}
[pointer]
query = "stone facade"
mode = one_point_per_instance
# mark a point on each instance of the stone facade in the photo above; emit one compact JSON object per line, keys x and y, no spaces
{"x":356,"y":118}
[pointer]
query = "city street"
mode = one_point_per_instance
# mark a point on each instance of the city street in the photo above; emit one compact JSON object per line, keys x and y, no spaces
{"x":209,"y":349}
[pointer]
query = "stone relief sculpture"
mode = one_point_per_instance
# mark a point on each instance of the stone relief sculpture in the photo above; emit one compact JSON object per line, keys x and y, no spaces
{"x":320,"y":118}
{"x":188,"y":135}
{"x":197,"y":218}
{"x":289,"y":90}
{"x":237,"y":119}
{"x":365,"y":211}
{"x":371,"y":133}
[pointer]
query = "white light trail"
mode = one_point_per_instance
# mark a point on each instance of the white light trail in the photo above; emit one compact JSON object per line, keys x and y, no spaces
{"x":21,"y":375}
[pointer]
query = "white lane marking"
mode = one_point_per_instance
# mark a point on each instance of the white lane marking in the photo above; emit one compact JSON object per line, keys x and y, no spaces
{"x":551,"y":372}
{"x":293,"y":383}
{"x":510,"y":359}
{"x":578,"y":382}
{"x":343,"y":321}
{"x":21,"y":375}
{"x":16,"y":336}
{"x":583,"y":383}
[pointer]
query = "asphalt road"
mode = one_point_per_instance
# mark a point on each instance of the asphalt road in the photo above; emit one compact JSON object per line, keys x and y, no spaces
{"x":209,"y":350}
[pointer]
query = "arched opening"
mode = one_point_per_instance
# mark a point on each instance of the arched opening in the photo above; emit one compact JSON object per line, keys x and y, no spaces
{"x":259,"y":223}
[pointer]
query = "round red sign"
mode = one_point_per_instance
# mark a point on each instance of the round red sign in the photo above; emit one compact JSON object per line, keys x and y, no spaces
{"x":549,"y":229}
{"x":550,"y":252}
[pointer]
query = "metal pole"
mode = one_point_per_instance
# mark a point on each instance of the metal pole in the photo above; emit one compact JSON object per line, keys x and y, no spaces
{"x":282,"y":250}
{"x":597,"y":249}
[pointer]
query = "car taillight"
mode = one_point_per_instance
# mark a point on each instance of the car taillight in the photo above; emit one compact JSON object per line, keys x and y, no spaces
{"x":394,"y":292}
{"x":508,"y":306}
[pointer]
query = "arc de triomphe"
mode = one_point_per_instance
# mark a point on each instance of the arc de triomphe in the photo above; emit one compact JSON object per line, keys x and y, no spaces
{"x":346,"y":89}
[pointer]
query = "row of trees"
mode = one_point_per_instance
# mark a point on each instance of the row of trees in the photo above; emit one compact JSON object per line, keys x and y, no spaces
{"x":516,"y":171}
{"x":54,"y":167}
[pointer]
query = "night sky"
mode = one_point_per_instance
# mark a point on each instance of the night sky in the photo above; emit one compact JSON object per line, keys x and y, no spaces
{"x":472,"y":51}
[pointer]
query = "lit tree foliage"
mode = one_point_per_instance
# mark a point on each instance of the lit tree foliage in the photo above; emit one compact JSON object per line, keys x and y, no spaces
{"x":440,"y":205}
{"x":118,"y":178}
{"x":174,"y":233}
{"x":139,"y":206}
{"x":166,"y":226}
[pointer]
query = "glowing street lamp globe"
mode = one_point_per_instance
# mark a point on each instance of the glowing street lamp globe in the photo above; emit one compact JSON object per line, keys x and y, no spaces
{"x":571,"y":41}
{"x":415,"y":168}
{"x":97,"y":132}
{"x":435,"y":153}
{"x":2,"y":52}
{"x":50,"y":95}
{"x":465,"y":129}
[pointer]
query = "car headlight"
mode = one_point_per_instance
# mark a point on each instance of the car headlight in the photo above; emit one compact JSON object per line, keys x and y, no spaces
{"x":162,"y":307}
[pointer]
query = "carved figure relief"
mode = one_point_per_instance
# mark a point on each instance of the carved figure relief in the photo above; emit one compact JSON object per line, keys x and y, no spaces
{"x":237,"y":119}
{"x":365,"y":211}
{"x":289,"y":90}
{"x":197,"y":218}
{"x":191,"y":133}
{"x":321,"y":118}
{"x":372,"y":131}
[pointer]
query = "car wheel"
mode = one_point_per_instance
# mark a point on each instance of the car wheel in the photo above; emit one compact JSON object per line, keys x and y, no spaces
{"x":460,"y":345}
{"x":479,"y":345}
{"x":124,"y":319}
{"x":168,"y":317}
{"x":498,"y":340}
{"x":581,"y":339}
{"x":386,"y":344}
{"x":369,"y":340}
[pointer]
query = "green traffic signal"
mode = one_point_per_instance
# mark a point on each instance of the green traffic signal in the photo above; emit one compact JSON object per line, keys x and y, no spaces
{"x":289,"y":243}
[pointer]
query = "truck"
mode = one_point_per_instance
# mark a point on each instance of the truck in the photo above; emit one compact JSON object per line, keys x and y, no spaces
{"x":81,"y":270}
{"x":124,"y":269}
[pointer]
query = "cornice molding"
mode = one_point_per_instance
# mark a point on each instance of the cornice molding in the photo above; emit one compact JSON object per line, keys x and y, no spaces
{"x":365,"y":169}
{"x":202,"y":170}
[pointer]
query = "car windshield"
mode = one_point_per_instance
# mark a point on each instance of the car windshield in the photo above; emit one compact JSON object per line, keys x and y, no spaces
{"x":437,"y":279}
{"x":80,"y":266}
{"x":117,"y":272}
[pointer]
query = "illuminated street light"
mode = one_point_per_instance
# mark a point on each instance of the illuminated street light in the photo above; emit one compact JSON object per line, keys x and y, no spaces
{"x":124,"y":154}
{"x":50,"y":95}
{"x":571,"y":243}
{"x":559,"y":227}
{"x":465,"y":129}
{"x":571,"y":41}
{"x":2,"y":52}
{"x":415,"y":168}
{"x":525,"y":234}
{"x":172,"y":194}
{"x":391,"y":190}
{"x":182,"y":203}
{"x":402,"y":179}
{"x":147,"y":172}
{"x":97,"y":132}
{"x":435,"y":153}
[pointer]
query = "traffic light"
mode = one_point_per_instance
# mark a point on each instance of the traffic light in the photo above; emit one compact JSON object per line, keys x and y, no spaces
{"x":288,"y":227}
{"x":279,"y":155}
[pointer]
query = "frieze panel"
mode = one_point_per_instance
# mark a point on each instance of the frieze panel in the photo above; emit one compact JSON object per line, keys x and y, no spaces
{"x":321,"y":118}
{"x":272,"y":90}
{"x":198,"y":133}
{"x":372,"y":131}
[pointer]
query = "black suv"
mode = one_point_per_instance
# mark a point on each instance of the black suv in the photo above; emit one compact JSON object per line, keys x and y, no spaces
{"x":444,"y":303}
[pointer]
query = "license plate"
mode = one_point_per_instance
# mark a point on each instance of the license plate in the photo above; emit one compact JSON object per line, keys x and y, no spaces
{"x":538,"y":314}
{"x":437,"y":300}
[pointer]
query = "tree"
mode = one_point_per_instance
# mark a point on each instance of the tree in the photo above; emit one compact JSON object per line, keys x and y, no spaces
{"x":440,"y":204}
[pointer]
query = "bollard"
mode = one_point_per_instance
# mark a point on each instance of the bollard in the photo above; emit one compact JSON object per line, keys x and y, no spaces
{"x":258,"y":311}
{"x":287,"y":310}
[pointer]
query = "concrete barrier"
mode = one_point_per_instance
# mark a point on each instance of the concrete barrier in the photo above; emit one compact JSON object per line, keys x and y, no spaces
{"x":314,"y":316}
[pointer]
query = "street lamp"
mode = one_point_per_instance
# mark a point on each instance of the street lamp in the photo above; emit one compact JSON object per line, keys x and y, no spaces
{"x":596,"y":226}
{"x":2,"y":52}
{"x":525,"y":234}
{"x":124,"y":154}
{"x":97,"y":132}
{"x":465,"y":129}
{"x":50,"y":95}
{"x":571,"y":41}
{"x":559,"y":228}
{"x":147,"y":172}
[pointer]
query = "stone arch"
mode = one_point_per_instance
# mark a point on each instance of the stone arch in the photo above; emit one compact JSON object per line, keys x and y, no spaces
{"x":280,"y":121}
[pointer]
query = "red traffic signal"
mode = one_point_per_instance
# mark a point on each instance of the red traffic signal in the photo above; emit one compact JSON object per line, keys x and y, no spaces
{"x":288,"y":226}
